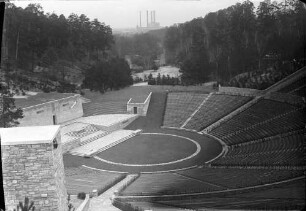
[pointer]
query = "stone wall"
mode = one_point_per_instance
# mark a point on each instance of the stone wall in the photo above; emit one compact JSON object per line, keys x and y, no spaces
{"x":118,"y":125}
{"x":59,"y":176}
{"x":35,"y":171}
{"x":64,"y":110}
{"x":71,"y":144}
{"x":142,"y":108}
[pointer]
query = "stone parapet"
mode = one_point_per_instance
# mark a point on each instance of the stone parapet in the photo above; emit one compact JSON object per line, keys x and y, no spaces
{"x":33,"y":168}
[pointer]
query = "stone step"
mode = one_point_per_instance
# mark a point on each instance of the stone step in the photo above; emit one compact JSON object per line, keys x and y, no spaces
{"x":117,"y":142}
{"x":103,"y":143}
{"x":95,"y":136}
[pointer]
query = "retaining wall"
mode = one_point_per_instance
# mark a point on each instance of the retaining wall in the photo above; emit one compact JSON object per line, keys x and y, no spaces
{"x":64,"y":110}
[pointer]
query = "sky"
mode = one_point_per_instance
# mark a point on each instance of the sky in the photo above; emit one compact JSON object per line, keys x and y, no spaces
{"x":125,"y":13}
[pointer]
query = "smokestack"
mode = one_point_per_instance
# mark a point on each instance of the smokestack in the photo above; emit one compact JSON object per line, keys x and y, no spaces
{"x":140,"y":18}
{"x":151,"y":16}
{"x":147,"y":18}
{"x":154,"y":16}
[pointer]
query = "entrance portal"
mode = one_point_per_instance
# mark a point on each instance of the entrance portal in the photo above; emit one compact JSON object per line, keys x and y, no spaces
{"x":54,"y":119}
{"x":135,"y":110}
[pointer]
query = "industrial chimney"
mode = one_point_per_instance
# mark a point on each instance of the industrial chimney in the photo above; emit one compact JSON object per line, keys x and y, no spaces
{"x":140,"y":18}
{"x":147,"y":18}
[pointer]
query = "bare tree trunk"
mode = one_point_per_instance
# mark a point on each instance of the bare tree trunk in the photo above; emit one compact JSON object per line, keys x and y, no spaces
{"x":17,"y":45}
{"x":32,"y":60}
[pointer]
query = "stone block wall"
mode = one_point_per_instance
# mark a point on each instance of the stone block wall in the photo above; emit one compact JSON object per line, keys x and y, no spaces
{"x":68,"y":109}
{"x":71,"y":144}
{"x":37,"y":115}
{"x":35,"y":171}
{"x":65,"y":109}
{"x":59,"y":175}
{"x":142,"y":108}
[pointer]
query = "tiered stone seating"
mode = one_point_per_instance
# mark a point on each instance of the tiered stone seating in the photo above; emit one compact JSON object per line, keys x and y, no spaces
{"x":270,"y":198}
{"x":95,"y":108}
{"x":258,"y":121}
{"x":156,"y":206}
{"x":285,"y":150}
{"x":300,"y":91}
{"x":205,"y":180}
{"x":293,"y":87}
{"x":232,"y":178}
{"x":104,"y":142}
{"x":214,"y":108}
{"x":291,"y":121}
{"x":86,"y":180}
{"x":180,"y":105}
{"x":167,"y":183}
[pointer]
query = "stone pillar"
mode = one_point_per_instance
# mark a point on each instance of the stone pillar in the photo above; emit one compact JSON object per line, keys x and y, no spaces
{"x":32,"y":166}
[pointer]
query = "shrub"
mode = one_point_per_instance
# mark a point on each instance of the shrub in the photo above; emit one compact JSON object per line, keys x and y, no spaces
{"x":27,"y":206}
{"x":81,"y":195}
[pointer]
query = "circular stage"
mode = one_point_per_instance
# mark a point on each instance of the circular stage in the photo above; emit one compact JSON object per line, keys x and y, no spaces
{"x":153,"y":151}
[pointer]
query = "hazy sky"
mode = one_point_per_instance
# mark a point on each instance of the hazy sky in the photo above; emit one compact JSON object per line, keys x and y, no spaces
{"x":125,"y":13}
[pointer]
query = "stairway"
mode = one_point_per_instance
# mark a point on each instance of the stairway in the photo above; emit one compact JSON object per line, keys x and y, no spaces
{"x":103,"y":143}
{"x":93,"y":137}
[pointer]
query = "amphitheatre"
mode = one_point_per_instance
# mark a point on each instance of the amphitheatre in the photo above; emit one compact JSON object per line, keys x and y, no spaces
{"x":191,"y":148}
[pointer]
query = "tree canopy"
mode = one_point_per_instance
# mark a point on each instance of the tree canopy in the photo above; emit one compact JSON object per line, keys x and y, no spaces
{"x":35,"y":38}
{"x":143,"y":48}
{"x":9,"y":114}
{"x":111,"y":74}
{"x":237,"y":39}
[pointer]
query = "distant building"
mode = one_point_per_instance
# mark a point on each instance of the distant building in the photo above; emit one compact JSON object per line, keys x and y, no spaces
{"x":152,"y":25}
{"x":49,"y":108}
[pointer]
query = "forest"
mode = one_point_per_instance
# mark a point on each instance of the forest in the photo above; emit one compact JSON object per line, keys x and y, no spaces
{"x":142,"y":49}
{"x":240,"y":39}
{"x":242,"y":45}
{"x":53,"y":52}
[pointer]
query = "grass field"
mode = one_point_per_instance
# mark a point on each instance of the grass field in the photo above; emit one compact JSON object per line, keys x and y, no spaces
{"x":210,"y":148}
{"x":113,"y":102}
{"x":149,"y":149}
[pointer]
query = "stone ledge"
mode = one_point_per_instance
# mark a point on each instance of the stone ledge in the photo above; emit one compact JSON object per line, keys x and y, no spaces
{"x":28,"y":135}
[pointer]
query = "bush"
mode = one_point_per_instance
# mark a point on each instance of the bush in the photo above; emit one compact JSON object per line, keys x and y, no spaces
{"x":81,"y":195}
{"x":26,"y":206}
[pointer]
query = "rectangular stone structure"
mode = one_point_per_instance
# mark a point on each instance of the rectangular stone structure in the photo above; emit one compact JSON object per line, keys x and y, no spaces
{"x":138,"y":108}
{"x":49,"y":109}
{"x":32,"y":166}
